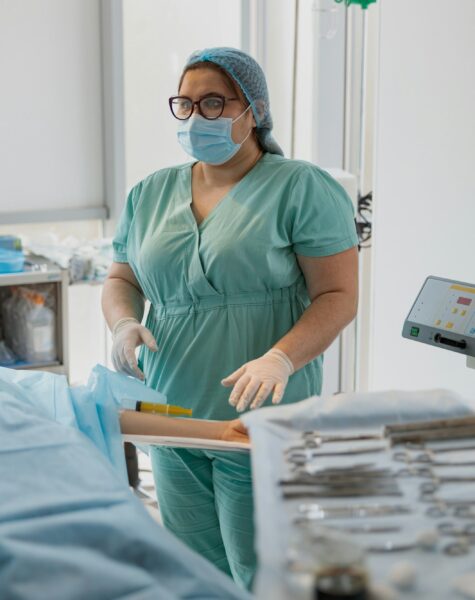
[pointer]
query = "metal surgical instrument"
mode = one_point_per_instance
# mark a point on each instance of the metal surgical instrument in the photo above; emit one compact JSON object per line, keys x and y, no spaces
{"x":314,"y":437}
{"x":448,"y":528}
{"x":441,"y":449}
{"x":302,"y":456}
{"x":317,"y":468}
{"x":465,"y":535}
{"x":363,"y":482}
{"x":318,"y":511}
{"x":432,"y":486}
{"x":303,"y":492}
{"x":458,"y":548}
{"x":427,"y":457}
{"x":426,"y":540}
{"x":442,"y":509}
{"x":331,"y":476}
{"x":368,"y":528}
{"x":441,"y":429}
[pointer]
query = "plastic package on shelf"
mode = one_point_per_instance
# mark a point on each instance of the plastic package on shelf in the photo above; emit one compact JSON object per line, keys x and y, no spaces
{"x":29,"y":318}
{"x":86,"y":260}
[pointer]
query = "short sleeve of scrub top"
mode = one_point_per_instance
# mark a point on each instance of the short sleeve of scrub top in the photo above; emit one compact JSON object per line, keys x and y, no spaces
{"x":323,"y":215}
{"x":225,"y":291}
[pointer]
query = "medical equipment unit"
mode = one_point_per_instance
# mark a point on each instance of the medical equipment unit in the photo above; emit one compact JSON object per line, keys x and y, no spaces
{"x":443,"y":315}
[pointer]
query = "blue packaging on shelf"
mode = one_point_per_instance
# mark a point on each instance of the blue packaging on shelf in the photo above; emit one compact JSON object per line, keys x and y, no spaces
{"x":11,"y":261}
{"x":10,"y":242}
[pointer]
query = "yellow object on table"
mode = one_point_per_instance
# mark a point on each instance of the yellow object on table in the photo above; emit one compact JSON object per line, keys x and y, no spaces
{"x":163,"y":409}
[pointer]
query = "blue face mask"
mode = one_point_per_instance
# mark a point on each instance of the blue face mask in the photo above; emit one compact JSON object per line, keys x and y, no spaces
{"x":209,"y":141}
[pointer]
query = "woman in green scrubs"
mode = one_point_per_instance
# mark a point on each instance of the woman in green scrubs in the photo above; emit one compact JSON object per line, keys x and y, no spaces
{"x":249,"y":261}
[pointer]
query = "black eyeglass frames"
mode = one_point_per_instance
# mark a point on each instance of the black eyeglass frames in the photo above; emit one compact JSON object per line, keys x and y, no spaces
{"x":209,"y":107}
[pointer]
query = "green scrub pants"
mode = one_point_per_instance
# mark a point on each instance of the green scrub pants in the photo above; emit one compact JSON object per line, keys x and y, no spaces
{"x":205,"y":499}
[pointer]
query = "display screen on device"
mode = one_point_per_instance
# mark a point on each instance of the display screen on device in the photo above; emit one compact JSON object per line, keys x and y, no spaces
{"x":445,"y":305}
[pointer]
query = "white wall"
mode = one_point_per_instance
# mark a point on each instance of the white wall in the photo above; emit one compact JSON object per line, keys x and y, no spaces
{"x":51,"y":146}
{"x":159,"y":35}
{"x":425,"y":182}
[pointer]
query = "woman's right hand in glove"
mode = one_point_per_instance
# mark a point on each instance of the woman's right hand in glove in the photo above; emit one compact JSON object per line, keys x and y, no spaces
{"x":127,"y":334}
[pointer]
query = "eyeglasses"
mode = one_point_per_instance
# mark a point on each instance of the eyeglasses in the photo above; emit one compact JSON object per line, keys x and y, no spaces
{"x":209,"y":107}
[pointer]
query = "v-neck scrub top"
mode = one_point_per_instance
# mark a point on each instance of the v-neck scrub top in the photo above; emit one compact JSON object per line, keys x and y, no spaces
{"x":225,"y":291}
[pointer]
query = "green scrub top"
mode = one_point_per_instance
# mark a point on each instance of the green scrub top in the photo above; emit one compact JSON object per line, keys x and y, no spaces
{"x":224,"y":292}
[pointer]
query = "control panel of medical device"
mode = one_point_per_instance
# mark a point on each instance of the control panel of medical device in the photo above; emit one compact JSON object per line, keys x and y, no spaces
{"x":443,"y":315}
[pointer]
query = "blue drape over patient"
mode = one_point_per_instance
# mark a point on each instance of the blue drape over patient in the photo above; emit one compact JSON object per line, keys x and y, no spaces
{"x":92,"y":409}
{"x":69,"y":526}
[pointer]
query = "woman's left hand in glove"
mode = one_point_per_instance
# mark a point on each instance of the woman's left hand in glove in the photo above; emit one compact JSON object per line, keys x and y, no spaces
{"x":256,"y":379}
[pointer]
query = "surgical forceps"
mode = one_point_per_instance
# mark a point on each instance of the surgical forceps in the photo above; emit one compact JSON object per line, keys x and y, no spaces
{"x":448,"y":528}
{"x":315,"y":439}
{"x":437,"y":480}
{"x":310,"y":512}
{"x":440,"y":429}
{"x":300,"y":456}
{"x":338,"y":492}
{"x":426,"y":540}
{"x":428,"y":488}
{"x":428,"y":458}
{"x":367,"y":528}
{"x":416,"y":472}
{"x":432,"y":486}
{"x":459,"y":510}
{"x":442,"y":449}
{"x":357,"y":474}
{"x":347,"y":482}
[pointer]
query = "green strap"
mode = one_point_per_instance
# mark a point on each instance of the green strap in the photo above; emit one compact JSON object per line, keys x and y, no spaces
{"x":364,"y":3}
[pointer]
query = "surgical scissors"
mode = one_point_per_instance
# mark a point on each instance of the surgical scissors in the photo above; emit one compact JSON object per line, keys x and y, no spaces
{"x":299,"y":455}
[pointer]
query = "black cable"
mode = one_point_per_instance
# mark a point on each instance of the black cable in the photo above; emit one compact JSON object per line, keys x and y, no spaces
{"x":363,"y":220}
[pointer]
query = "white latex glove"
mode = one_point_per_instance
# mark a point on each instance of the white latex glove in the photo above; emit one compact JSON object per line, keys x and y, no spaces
{"x":127,"y":334}
{"x":256,"y":379}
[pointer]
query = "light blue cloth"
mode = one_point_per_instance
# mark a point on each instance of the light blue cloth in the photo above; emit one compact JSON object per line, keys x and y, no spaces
{"x":92,"y":409}
{"x":248,"y":74}
{"x":69,"y":526}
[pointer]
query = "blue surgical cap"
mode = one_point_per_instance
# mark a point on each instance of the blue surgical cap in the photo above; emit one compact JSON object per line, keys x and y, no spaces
{"x":249,"y":76}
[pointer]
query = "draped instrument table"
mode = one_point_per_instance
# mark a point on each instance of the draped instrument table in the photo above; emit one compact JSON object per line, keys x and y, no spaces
{"x":273,"y":432}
